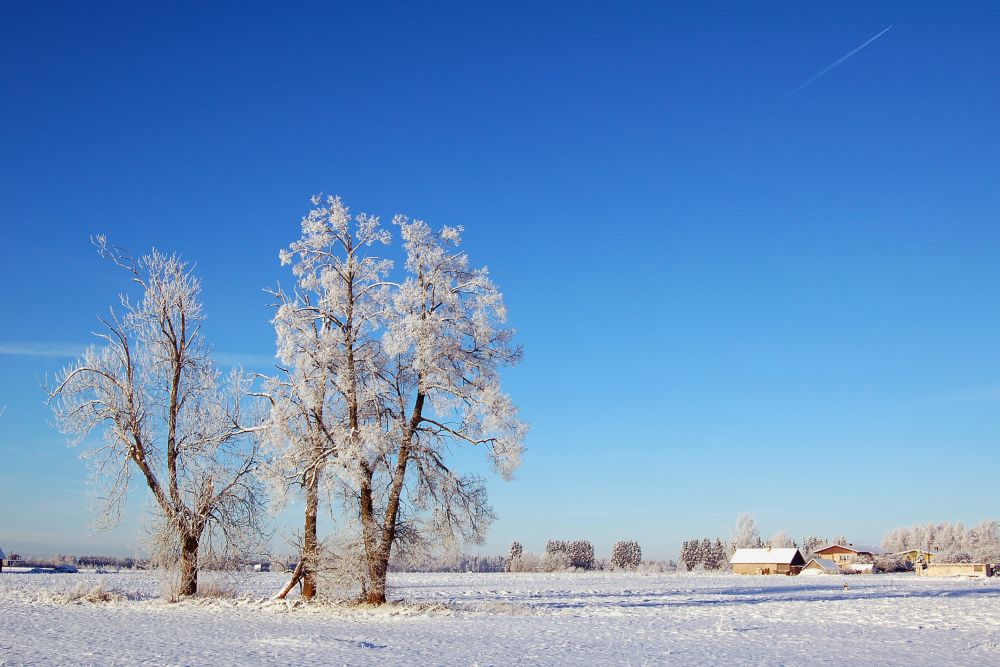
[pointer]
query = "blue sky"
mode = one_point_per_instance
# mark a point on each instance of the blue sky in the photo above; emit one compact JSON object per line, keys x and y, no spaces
{"x":734,"y":294}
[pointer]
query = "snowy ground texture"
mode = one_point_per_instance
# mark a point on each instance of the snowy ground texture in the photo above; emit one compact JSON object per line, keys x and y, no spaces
{"x":512,"y":619}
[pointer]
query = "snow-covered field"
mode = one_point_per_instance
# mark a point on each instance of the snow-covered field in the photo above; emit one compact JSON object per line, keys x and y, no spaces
{"x":504,"y":619}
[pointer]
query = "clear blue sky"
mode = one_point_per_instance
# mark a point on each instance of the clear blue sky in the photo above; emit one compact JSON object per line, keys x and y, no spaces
{"x":732,"y":296}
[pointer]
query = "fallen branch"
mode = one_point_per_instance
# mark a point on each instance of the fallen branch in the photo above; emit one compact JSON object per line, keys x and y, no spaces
{"x":296,"y":576}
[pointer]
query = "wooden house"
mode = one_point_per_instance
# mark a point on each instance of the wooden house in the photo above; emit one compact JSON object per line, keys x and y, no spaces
{"x":845,"y":555}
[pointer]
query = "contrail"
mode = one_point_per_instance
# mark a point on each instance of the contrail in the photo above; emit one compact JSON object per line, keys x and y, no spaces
{"x":836,"y":62}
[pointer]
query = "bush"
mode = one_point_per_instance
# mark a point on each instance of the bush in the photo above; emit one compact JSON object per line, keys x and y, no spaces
{"x":889,"y":564}
{"x":656,"y":566}
{"x":956,"y":557}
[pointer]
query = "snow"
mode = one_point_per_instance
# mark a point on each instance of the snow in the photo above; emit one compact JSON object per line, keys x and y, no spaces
{"x":765,"y":555}
{"x":567,"y":618}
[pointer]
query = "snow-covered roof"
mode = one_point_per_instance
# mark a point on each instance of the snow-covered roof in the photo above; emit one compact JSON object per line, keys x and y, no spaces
{"x":765,"y":555}
{"x":824,"y":563}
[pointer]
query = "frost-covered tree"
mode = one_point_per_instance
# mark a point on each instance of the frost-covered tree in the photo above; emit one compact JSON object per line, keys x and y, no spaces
{"x":410,"y":368}
{"x":326,"y":400}
{"x":705,"y":554}
{"x":578,"y":554}
{"x":719,"y":554}
{"x":810,"y":544}
{"x":150,"y":387}
{"x":626,"y":555}
{"x":445,"y":343}
{"x":513,"y":556}
{"x":553,"y":547}
{"x":709,"y":559}
{"x":746,"y":535}
{"x":840,"y":540}
{"x":689,"y":554}
{"x":581,"y":554}
{"x":781,"y":540}
{"x":949,"y":542}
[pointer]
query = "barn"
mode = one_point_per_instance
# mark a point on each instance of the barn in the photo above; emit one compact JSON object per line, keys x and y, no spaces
{"x":767,"y":560}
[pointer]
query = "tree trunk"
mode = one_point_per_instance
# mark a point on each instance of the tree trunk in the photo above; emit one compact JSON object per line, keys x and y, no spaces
{"x":189,"y":566}
{"x":378,"y":567}
{"x":378,"y":551}
{"x":310,"y":540}
{"x":374,"y":590}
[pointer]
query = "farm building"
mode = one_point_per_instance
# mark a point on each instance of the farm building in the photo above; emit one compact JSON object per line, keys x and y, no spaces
{"x":820,"y":566}
{"x":767,"y":561}
{"x":955,"y":570}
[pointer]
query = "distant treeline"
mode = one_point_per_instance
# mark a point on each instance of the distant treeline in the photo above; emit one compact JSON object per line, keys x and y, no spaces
{"x":462,"y":563}
{"x":116,"y":562}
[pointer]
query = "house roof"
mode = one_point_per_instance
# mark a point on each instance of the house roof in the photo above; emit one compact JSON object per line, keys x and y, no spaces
{"x":834,"y":547}
{"x":869,"y":549}
{"x":824,"y":563}
{"x":2,"y":556}
{"x":860,"y":549}
{"x":765,"y":555}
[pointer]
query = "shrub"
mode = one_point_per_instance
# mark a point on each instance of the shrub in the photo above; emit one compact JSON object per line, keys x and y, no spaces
{"x":956,"y":557}
{"x":889,"y":563}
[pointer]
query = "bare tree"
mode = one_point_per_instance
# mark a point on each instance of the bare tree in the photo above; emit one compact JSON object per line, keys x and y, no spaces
{"x":152,"y":390}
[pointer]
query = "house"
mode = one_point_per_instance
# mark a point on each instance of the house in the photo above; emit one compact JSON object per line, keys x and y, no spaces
{"x":820,"y":566}
{"x":915,"y":556}
{"x":2,"y":556}
{"x":767,"y":560}
{"x":262,"y":567}
{"x":846,"y":556}
{"x":982,"y":570}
